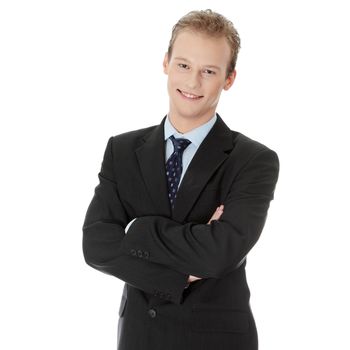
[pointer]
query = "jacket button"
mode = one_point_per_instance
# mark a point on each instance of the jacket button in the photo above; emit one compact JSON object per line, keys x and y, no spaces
{"x":152,"y":313}
{"x":146,"y":255}
{"x":139,"y":253}
{"x":133,"y":252}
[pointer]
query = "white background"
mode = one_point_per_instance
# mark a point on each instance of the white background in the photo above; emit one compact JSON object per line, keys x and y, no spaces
{"x":73,"y":73}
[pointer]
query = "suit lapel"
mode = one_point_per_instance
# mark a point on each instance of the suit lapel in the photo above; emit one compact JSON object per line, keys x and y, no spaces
{"x":212,"y":152}
{"x":151,"y":158}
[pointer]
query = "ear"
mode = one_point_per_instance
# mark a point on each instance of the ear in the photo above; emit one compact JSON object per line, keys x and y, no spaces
{"x":230,"y":79}
{"x":166,"y":63}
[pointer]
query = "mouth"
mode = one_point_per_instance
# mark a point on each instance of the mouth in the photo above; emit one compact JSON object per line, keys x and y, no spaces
{"x":189,"y":96}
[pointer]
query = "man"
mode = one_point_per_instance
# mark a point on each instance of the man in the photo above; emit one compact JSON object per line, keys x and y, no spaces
{"x":179,"y":206}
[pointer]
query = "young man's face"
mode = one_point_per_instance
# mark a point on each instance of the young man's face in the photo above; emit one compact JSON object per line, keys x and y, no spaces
{"x":197,"y":75}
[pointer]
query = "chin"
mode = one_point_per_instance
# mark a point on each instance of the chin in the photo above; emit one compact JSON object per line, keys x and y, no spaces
{"x":188,"y":114}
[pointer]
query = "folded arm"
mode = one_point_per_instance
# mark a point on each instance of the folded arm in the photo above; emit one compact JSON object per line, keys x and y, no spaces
{"x":211,"y":251}
{"x":103,"y":232}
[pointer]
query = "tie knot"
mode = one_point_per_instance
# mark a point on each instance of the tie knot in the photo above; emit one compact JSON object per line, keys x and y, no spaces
{"x":179,"y":144}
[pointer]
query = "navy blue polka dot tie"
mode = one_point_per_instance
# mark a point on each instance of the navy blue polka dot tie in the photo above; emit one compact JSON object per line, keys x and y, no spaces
{"x":174,"y":167}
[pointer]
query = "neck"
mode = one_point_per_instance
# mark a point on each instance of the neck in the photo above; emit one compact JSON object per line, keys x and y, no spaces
{"x":183,"y":125}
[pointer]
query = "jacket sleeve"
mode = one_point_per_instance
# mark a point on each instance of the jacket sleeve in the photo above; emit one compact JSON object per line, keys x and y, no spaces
{"x":103,"y":232}
{"x":212,"y":250}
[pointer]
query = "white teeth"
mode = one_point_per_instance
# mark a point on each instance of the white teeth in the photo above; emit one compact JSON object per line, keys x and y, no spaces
{"x":189,"y":95}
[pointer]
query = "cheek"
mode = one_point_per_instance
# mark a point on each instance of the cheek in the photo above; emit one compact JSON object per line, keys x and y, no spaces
{"x":172,"y":86}
{"x":215,"y":91}
{"x":214,"y":96}
{"x":174,"y":79}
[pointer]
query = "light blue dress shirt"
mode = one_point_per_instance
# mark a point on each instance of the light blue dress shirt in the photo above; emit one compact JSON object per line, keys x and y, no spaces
{"x":196,"y":136}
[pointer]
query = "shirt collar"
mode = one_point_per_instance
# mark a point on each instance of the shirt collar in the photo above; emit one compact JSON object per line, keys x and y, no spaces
{"x":196,"y":136}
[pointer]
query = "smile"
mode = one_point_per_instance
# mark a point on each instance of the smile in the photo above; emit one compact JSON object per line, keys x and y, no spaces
{"x":188,"y":95}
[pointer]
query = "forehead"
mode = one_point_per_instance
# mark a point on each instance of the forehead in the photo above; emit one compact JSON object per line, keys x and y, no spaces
{"x":202,"y":49}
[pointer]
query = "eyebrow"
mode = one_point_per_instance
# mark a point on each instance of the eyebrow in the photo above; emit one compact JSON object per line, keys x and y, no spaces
{"x":206,"y":65}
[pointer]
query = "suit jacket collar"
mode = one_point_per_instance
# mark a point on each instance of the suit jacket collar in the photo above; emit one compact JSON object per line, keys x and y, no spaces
{"x":212,"y":152}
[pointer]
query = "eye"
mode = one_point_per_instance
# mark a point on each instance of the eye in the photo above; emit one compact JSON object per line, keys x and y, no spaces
{"x":209,"y":72}
{"x":183,"y":65}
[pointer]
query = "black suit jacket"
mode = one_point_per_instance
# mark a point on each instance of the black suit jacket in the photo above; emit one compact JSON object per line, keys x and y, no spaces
{"x":161,"y":248}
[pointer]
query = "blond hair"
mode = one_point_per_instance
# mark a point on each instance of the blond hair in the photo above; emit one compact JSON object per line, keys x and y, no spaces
{"x":212,"y":24}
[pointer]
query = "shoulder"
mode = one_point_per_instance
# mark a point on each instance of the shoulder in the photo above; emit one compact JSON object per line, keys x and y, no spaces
{"x":239,"y":144}
{"x":129,"y":140}
{"x":133,"y":135}
{"x":257,"y":157}
{"x":246,"y":150}
{"x":248,"y":144}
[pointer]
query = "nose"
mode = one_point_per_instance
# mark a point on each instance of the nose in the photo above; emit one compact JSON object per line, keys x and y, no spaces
{"x":193,"y":80}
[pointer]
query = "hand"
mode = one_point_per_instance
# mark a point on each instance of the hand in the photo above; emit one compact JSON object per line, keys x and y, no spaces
{"x":193,"y":278}
{"x":217,"y":213}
